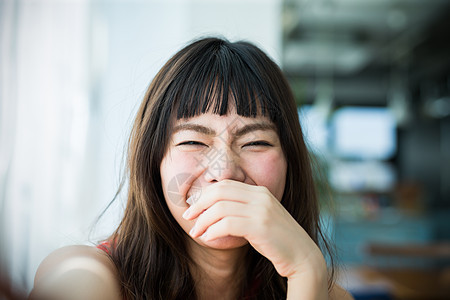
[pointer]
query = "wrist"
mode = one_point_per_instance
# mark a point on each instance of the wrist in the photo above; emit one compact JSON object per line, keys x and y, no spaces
{"x":316,"y":274}
{"x":309,"y":283}
{"x":313,"y":265}
{"x":309,"y":278}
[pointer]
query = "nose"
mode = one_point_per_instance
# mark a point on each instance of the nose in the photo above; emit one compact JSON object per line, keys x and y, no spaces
{"x":222,"y":163}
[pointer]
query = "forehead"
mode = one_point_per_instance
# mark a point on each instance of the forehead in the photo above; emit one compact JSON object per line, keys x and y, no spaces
{"x":229,"y":122}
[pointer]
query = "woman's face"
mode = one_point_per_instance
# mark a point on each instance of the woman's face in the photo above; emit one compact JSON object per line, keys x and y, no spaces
{"x":206,"y":149}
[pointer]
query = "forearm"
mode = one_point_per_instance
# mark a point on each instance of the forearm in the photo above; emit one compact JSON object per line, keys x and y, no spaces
{"x":308,"y":287}
{"x":310,"y":280}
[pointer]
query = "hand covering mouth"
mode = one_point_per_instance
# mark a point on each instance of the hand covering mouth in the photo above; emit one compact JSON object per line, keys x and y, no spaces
{"x":193,"y":198}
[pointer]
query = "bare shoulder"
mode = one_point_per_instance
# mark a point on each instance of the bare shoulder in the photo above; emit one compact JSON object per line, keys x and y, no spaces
{"x":338,"y":293}
{"x":76,"y":272}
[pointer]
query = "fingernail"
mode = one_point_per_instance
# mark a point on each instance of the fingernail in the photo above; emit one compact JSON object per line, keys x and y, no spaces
{"x":187,"y":213}
{"x":190,"y":200}
{"x":193,"y":198}
{"x":192,"y":232}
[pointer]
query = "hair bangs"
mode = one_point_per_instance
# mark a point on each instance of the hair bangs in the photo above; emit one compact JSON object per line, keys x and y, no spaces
{"x":219,"y":82}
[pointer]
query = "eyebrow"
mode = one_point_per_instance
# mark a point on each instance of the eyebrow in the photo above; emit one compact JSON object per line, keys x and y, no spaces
{"x":264,"y":126}
{"x":194,"y":127}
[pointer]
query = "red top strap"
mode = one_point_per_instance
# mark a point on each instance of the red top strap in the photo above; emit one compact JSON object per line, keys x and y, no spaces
{"x":105,"y":246}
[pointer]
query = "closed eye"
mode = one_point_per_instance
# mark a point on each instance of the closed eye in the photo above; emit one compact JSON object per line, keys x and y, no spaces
{"x":258,"y":143}
{"x":191,"y":143}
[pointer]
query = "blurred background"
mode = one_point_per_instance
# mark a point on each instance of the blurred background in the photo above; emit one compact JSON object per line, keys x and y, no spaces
{"x":372,"y":83}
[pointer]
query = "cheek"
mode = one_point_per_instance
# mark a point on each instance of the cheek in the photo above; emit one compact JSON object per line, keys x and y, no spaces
{"x":178,"y":162}
{"x":270,"y":171}
{"x":177,"y":175}
{"x":176,"y":180}
{"x":177,"y":165}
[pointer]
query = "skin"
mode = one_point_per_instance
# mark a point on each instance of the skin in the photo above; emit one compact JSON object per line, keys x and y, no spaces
{"x":236,"y":160}
{"x":234,"y":170}
{"x":239,"y":203}
{"x":76,"y":272}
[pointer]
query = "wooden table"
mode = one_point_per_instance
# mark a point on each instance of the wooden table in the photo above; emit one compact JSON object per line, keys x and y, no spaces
{"x":401,"y":283}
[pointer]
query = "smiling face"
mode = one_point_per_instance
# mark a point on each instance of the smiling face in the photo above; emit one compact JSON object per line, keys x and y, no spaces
{"x":209,"y":148}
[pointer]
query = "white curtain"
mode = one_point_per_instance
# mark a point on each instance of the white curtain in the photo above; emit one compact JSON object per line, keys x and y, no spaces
{"x":72,"y":75}
{"x":47,"y":146}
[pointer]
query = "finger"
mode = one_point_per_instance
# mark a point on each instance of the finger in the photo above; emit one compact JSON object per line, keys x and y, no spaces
{"x":217,"y":212}
{"x":229,"y":226}
{"x":223,"y":190}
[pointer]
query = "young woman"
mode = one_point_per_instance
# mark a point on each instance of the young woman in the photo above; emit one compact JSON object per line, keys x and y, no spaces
{"x":221,"y":200}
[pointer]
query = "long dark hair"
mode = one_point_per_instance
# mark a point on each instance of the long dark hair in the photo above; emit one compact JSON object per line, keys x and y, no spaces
{"x":149,"y":247}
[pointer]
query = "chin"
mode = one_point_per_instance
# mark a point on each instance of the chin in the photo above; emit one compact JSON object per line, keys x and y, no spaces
{"x":225,"y":243}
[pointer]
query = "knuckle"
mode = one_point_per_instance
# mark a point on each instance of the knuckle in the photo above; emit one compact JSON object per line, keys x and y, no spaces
{"x":264,"y":189}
